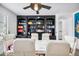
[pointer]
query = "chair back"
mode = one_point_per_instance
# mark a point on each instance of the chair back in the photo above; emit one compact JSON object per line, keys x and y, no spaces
{"x":24,"y":48}
{"x":45,"y":36}
{"x":34,"y":36}
{"x":58,"y":49}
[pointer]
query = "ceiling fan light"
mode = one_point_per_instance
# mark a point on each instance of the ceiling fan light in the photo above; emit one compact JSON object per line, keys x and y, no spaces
{"x":36,"y":7}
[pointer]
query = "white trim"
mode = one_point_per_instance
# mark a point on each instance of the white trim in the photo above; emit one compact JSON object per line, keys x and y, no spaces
{"x":7,"y":24}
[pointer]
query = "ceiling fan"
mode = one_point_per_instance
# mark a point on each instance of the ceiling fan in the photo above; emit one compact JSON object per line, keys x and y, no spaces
{"x":37,"y":7}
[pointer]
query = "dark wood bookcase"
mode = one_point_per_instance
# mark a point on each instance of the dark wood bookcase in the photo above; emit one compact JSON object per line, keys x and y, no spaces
{"x":35,"y":24}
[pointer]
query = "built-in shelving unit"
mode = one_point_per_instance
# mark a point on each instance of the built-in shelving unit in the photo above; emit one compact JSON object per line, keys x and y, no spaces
{"x":21,"y":27}
{"x":31,"y":26}
{"x":35,"y":24}
{"x":50,"y":26}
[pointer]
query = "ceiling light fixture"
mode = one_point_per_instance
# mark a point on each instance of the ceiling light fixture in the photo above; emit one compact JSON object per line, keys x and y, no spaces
{"x":37,"y":6}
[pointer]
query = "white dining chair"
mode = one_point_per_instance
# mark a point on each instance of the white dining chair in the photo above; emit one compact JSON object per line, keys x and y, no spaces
{"x":58,"y":49}
{"x":23,"y":47}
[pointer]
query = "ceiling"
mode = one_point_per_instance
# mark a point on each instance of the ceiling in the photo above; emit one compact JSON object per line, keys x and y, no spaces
{"x":56,"y":8}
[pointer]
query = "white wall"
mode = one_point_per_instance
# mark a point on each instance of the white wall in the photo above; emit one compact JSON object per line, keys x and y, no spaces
{"x":66,"y":28}
{"x":11,"y":19}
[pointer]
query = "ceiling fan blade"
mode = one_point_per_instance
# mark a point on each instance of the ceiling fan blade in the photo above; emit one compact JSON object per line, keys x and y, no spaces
{"x":37,"y":12}
{"x":47,"y":7}
{"x":26,"y":7}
